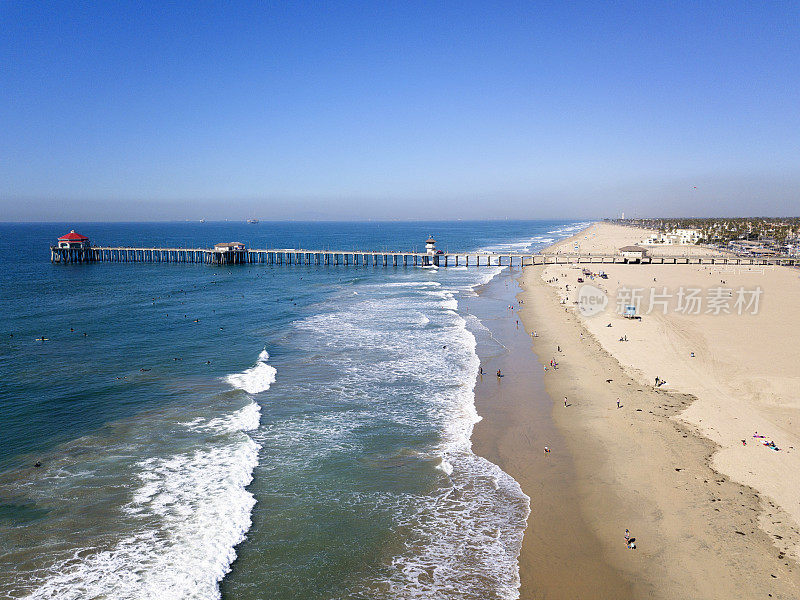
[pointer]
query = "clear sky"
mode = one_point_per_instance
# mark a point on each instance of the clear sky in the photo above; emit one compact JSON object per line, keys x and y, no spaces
{"x":344,"y":110}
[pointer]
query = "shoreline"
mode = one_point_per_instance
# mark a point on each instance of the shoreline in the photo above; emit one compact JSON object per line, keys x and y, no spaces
{"x":640,"y":467}
{"x":515,"y":427}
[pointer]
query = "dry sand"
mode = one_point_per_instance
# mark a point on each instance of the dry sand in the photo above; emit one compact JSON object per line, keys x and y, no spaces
{"x":713,"y":518}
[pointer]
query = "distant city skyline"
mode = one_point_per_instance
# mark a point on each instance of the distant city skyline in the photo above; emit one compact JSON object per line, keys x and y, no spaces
{"x":126,"y":112}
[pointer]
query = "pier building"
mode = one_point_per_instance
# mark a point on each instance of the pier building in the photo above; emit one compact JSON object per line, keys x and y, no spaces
{"x":229,"y":253}
{"x":74,"y":241}
{"x":633,"y":253}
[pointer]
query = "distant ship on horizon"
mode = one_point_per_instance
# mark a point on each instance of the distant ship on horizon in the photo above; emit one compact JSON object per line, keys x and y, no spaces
{"x":252,"y":221}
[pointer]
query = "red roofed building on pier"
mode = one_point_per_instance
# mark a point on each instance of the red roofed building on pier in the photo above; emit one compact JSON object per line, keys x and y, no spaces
{"x":73,"y":241}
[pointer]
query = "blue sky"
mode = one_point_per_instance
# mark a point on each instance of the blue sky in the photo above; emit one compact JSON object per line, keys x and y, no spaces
{"x":122,"y":111}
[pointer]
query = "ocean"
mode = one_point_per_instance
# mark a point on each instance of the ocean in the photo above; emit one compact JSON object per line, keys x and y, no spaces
{"x":251,"y":431}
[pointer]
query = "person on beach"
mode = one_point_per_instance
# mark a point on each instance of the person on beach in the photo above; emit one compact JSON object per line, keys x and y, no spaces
{"x":480,"y":370}
{"x":499,"y":374}
{"x":565,"y":401}
{"x":618,"y":403}
{"x":546,"y":450}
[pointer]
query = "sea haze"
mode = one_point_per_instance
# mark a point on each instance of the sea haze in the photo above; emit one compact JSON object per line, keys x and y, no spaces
{"x":251,"y":431}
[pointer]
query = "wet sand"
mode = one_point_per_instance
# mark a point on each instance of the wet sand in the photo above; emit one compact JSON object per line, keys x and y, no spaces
{"x":561,"y":556}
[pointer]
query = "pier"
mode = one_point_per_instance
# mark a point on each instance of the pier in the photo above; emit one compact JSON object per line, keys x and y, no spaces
{"x":355,"y":258}
{"x":76,"y":248}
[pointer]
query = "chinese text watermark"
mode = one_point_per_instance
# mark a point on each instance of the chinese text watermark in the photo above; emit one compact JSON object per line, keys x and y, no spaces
{"x":633,"y":301}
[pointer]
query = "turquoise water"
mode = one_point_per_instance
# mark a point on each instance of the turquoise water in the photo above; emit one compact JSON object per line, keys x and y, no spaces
{"x":252,"y":431}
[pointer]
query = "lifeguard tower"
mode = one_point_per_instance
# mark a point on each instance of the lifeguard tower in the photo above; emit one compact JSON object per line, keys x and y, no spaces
{"x":430,"y":246}
{"x":430,"y":250}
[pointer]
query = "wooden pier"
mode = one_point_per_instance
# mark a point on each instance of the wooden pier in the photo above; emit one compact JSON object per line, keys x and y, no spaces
{"x":297,"y":257}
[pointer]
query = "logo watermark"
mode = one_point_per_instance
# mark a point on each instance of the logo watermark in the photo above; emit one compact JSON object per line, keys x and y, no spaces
{"x":591,"y":300}
{"x":630,"y":301}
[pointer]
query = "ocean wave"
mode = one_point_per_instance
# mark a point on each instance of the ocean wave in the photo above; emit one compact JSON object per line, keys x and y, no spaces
{"x":571,"y":229}
{"x":411,"y":284}
{"x":523,"y":245}
{"x":489,"y":273}
{"x":437,"y":365}
{"x":467,"y":547}
{"x":257,"y":378}
{"x":246,"y":418}
{"x":536,"y":242}
{"x":189,"y":509}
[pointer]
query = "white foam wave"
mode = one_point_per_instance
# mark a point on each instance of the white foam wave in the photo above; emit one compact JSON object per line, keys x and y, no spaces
{"x":192,"y":509}
{"x":523,"y":245}
{"x":413,"y":284}
{"x":489,"y":273}
{"x":570,"y":229}
{"x":246,"y":418}
{"x":257,"y":378}
{"x":480,"y":510}
{"x":445,"y":466}
{"x":450,"y":304}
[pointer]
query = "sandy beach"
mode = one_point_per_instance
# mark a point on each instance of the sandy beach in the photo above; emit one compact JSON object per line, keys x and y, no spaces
{"x":713,"y":516}
{"x":517,"y":424}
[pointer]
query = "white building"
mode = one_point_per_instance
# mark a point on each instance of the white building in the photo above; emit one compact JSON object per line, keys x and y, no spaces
{"x":679,"y":237}
{"x":633,"y":253}
{"x":430,"y":246}
{"x":686,"y":236}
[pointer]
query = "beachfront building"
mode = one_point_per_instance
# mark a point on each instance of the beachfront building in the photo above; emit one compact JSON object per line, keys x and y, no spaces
{"x":676,"y":237}
{"x":73,"y":241}
{"x":430,"y":246}
{"x":633,"y":253}
{"x":684,"y":236}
